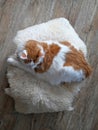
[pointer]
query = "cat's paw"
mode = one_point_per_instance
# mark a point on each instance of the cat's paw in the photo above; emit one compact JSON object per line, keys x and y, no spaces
{"x":12,"y":61}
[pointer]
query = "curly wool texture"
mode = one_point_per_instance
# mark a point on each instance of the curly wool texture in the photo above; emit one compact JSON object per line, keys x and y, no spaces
{"x":35,"y":96}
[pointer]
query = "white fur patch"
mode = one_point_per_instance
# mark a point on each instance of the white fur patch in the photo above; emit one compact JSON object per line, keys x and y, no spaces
{"x":71,"y":75}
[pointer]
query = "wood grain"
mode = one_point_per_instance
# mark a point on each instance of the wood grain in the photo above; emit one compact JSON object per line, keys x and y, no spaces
{"x":83,"y":15}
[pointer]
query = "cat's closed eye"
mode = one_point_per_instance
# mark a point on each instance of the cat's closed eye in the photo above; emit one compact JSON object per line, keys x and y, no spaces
{"x":27,"y":61}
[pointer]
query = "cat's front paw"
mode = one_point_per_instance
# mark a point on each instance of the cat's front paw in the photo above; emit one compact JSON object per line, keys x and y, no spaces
{"x":12,"y":61}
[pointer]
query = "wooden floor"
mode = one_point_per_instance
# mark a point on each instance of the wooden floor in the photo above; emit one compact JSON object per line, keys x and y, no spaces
{"x":83,"y":15}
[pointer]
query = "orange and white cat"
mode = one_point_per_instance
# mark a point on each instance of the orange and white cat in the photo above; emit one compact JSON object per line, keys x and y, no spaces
{"x":52,"y":61}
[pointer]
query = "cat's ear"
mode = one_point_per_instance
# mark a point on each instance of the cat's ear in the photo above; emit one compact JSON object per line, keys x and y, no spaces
{"x":23,"y":54}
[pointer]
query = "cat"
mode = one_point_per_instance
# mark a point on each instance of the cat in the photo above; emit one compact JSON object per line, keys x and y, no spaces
{"x":52,"y":61}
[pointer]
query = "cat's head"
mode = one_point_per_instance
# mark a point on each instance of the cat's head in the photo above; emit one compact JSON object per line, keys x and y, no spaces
{"x":32,"y":54}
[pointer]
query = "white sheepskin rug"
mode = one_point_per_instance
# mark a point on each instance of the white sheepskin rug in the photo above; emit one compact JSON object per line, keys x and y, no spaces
{"x":35,"y":96}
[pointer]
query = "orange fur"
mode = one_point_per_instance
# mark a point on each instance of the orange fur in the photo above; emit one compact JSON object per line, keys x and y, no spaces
{"x":33,"y":52}
{"x":50,"y":52}
{"x":76,"y":59}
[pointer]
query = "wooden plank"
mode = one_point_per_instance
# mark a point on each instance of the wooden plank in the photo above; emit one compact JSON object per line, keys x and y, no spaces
{"x":15,"y":15}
